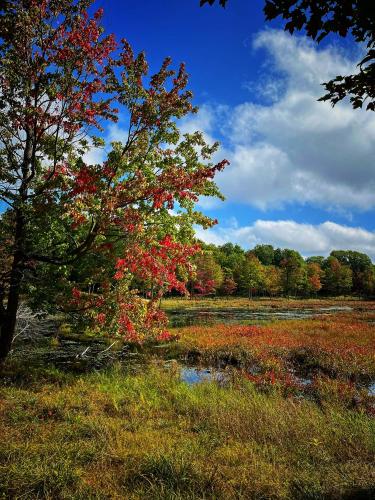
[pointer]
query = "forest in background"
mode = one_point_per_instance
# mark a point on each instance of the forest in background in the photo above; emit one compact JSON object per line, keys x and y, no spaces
{"x":267,"y":271}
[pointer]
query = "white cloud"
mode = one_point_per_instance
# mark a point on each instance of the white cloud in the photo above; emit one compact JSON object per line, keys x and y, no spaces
{"x":296,"y":149}
{"x":308,"y":239}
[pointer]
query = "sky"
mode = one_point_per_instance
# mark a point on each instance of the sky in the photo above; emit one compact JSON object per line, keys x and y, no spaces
{"x":302,"y":174}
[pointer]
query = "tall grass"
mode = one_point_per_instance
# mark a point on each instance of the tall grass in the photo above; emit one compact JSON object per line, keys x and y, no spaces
{"x":149,"y":435}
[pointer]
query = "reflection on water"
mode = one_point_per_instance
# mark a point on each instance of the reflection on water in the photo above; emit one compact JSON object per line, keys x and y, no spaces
{"x":188,"y":317}
{"x":193,"y":375}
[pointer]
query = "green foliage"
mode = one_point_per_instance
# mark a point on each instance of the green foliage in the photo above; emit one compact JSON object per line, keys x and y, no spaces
{"x":265,"y":254}
{"x":268,"y":271}
{"x":338,"y":277}
{"x":250,"y":275}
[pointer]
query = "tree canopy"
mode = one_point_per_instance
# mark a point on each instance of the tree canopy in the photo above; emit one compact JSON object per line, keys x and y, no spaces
{"x":265,"y":270}
{"x":77,"y":234}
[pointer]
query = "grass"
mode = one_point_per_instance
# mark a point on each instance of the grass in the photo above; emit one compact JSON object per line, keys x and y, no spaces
{"x":335,"y":356}
{"x":138,"y":431}
{"x":339,"y":345}
{"x":149,"y":435}
{"x":174,"y":303}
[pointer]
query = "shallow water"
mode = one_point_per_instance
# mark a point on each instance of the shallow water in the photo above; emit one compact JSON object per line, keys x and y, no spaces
{"x":194,"y":375}
{"x":195,"y":316}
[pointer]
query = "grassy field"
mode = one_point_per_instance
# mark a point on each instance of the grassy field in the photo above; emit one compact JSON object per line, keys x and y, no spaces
{"x":116,"y":435}
{"x":138,"y":431}
{"x":340,"y":346}
{"x":262,"y":303}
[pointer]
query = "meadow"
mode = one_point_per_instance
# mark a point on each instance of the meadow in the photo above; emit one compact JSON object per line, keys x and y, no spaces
{"x":290,"y":416}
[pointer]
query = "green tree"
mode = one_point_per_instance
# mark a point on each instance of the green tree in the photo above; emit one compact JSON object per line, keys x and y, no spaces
{"x":293,"y":276}
{"x":229,"y":256}
{"x":265,"y":254}
{"x":359,"y":263}
{"x":338,"y":278}
{"x":316,"y":259}
{"x":367,"y":279}
{"x":250,"y":275}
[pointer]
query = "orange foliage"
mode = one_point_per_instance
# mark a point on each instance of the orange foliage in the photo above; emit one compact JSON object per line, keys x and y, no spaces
{"x":340,"y":334}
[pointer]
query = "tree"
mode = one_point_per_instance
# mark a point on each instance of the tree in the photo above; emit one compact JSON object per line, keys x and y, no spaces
{"x":367,"y":280}
{"x":265,"y":254}
{"x":208,"y":276}
{"x":292,"y":265}
{"x":337,"y":277}
{"x":359,"y":263}
{"x":60,"y":77}
{"x":250,"y":275}
{"x":314,"y":277}
{"x":229,"y":286}
{"x":316,"y":259}
{"x":228,"y":256}
{"x":272,"y":280}
{"x":319,"y":18}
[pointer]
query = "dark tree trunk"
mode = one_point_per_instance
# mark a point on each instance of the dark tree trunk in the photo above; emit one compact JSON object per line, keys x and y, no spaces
{"x":8,"y":316}
{"x":8,"y":326}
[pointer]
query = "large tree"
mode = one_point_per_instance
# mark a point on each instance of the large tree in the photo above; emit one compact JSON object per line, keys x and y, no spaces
{"x":250,"y":274}
{"x":208,"y":276}
{"x":338,"y":277}
{"x":81,"y":231}
{"x":319,"y":18}
{"x":293,"y":272}
{"x":361,"y":267}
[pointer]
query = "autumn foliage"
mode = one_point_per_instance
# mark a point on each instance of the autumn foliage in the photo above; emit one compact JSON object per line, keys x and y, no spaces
{"x":106,"y":223}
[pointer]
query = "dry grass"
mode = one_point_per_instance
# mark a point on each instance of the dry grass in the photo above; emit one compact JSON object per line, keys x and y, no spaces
{"x":263,"y":303}
{"x":117,"y":435}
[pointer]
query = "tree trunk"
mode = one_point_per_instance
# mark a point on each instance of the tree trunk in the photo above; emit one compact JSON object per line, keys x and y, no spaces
{"x":9,"y":318}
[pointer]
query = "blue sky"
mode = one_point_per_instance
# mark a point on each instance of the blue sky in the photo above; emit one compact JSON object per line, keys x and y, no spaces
{"x":302,"y":175}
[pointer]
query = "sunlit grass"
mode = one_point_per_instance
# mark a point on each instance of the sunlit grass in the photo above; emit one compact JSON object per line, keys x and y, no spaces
{"x":118,"y":435}
{"x":340,"y":345}
{"x":262,"y":302}
{"x":138,"y":431}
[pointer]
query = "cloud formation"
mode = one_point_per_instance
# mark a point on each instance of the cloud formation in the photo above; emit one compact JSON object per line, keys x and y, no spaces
{"x":308,"y":239}
{"x":296,"y":149}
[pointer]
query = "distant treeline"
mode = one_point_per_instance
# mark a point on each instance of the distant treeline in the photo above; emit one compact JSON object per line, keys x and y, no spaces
{"x":268,"y":271}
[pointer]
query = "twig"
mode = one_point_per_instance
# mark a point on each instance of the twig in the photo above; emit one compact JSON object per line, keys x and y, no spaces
{"x":83,"y":353}
{"x":108,"y":348}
